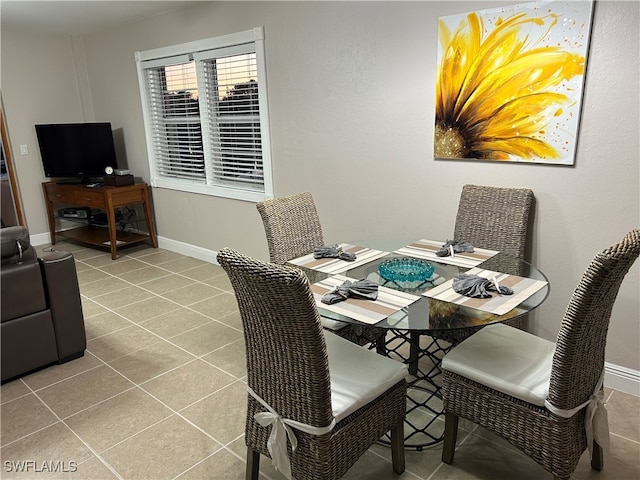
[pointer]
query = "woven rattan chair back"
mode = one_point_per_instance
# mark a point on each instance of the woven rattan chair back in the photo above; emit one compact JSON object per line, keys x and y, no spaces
{"x":494,"y":218}
{"x":278,"y":312}
{"x":292,"y":226}
{"x":579,"y":356}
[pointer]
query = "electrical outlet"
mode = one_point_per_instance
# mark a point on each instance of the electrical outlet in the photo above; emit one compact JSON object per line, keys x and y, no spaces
{"x":24,"y":150}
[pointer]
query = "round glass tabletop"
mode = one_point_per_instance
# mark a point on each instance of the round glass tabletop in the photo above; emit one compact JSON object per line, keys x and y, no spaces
{"x":427,"y":314}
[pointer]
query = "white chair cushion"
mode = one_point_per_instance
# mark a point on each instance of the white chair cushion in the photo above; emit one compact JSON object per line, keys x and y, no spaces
{"x":506,"y":359}
{"x":333,"y":325}
{"x":358,"y":375}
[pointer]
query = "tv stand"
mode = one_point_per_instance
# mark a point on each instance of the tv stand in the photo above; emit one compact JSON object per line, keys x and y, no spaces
{"x":106,"y":198}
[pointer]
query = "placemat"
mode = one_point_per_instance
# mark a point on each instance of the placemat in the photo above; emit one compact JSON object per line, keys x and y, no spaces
{"x":336,"y":265}
{"x":522,"y":287}
{"x":427,"y":249}
{"x":389,"y":301}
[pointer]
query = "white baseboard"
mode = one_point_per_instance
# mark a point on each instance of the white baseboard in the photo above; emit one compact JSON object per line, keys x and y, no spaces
{"x":166,"y":243}
{"x":188,"y":249}
{"x":616,"y":377}
{"x":622,"y":379}
{"x":40,"y":239}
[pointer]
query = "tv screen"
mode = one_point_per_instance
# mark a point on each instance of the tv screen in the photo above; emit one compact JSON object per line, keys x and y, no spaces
{"x":76,"y":150}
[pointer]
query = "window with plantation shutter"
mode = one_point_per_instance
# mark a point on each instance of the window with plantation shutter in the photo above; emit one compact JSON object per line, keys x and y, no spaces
{"x":205,"y":111}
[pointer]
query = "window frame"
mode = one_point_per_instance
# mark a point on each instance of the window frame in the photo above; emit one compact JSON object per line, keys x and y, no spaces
{"x":193,"y":50}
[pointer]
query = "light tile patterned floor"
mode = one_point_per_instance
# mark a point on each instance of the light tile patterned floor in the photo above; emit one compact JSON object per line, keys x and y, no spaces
{"x":160,"y":392}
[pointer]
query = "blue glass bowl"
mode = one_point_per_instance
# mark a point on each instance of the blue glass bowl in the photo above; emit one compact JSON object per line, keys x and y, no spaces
{"x":406,"y":270}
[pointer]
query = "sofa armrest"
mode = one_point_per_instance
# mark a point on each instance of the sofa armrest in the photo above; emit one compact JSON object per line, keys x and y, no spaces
{"x":22,"y":290}
{"x":15,"y":245}
{"x":61,"y":285}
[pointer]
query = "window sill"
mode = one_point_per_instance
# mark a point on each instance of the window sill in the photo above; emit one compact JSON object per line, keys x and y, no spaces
{"x":213,"y":190}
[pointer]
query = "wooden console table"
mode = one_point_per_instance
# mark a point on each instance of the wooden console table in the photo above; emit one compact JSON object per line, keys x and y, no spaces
{"x":104,"y":198}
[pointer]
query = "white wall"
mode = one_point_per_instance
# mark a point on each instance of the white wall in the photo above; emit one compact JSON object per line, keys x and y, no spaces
{"x":39,"y":85}
{"x":351,"y":87}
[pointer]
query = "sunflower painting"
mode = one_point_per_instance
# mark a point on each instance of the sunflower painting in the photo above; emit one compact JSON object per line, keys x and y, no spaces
{"x":509,"y":82}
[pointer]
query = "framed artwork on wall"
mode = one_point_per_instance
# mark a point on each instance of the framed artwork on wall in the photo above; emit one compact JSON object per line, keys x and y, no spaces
{"x":510,"y":81}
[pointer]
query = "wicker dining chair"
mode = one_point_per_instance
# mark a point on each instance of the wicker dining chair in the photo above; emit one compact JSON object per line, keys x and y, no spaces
{"x":349,"y":395}
{"x":292,"y":227}
{"x":523,"y":388}
{"x":493,"y":218}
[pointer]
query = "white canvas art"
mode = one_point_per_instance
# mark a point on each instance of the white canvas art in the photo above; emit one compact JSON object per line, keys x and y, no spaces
{"x":510,"y":81}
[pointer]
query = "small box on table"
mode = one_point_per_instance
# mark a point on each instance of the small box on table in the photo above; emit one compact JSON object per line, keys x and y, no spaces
{"x":118,"y":180}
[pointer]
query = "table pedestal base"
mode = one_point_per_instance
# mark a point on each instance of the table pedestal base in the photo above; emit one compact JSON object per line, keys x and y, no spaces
{"x":424,"y":424}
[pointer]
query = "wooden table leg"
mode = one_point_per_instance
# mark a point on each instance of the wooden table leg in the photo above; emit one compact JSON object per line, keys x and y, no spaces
{"x":151,"y":228}
{"x":111,"y":220}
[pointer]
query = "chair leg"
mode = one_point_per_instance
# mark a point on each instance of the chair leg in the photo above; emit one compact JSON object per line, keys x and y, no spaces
{"x":597,"y":457}
{"x":381,"y":343}
{"x":397,"y":448}
{"x":253,"y":464}
{"x":414,"y":348}
{"x":450,"y":437}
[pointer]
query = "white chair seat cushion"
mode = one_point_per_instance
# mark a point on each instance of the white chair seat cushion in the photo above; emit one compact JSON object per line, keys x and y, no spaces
{"x":358,"y":375}
{"x":333,"y":325}
{"x":506,"y":359}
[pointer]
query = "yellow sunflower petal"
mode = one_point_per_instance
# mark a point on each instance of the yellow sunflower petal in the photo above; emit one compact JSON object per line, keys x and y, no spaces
{"x":458,"y":53}
{"x":531,"y":73}
{"x":524,"y":116}
{"x":500,"y":47}
{"x":518,"y":147}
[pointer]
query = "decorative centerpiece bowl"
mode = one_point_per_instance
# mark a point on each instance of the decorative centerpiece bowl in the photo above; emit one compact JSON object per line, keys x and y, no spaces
{"x":406,"y":272}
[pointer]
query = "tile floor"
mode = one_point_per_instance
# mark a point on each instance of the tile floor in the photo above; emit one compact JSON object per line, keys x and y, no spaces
{"x":160,"y":392}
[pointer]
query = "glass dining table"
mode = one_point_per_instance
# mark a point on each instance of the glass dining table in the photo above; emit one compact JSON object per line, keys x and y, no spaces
{"x":423,"y":331}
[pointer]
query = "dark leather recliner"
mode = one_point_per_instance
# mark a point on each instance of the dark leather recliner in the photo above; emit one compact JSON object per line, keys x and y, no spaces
{"x":41,"y":310}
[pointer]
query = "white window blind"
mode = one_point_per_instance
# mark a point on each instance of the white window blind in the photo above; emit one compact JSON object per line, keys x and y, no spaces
{"x":175,"y":121}
{"x":206,"y":120}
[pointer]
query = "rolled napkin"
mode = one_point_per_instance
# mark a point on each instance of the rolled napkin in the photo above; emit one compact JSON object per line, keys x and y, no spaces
{"x":365,"y":289}
{"x":477,"y":287}
{"x":333,"y":251}
{"x":456,"y":245}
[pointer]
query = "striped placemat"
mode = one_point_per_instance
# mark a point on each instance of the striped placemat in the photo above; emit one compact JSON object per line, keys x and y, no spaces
{"x":367,"y":311}
{"x":522,"y":287}
{"x":336,"y":265}
{"x":427,"y":249}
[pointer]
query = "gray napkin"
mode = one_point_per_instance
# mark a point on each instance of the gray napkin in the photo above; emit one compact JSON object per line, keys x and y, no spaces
{"x":477,"y":287}
{"x":333,"y":251}
{"x":458,"y":247}
{"x":365,"y":289}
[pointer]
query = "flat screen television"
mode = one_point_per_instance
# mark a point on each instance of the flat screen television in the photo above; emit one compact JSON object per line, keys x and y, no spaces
{"x":76,"y":152}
